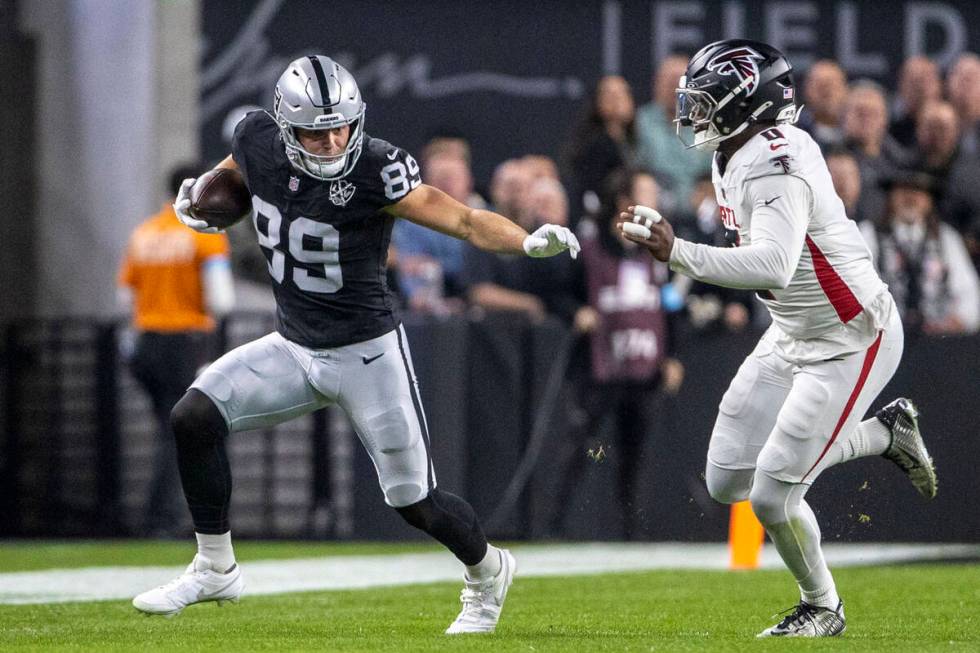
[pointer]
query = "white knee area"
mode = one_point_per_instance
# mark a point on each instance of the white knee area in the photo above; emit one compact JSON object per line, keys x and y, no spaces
{"x":728,"y":485}
{"x":774,"y":501}
{"x":398,"y":451}
{"x":405,"y":494}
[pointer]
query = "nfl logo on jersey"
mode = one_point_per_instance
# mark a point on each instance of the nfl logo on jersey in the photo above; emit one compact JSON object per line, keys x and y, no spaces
{"x":293,"y":184}
{"x":341,"y":191}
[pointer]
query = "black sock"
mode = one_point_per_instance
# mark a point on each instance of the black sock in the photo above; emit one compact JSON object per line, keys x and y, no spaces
{"x":451,"y":521}
{"x":199,"y":432}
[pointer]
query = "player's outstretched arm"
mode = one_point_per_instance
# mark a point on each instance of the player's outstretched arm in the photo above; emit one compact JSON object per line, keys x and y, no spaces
{"x":432,"y":208}
{"x":780,"y":215}
{"x":779,"y":220}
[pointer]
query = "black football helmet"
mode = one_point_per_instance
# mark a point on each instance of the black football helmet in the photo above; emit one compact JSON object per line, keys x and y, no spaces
{"x":730,"y":85}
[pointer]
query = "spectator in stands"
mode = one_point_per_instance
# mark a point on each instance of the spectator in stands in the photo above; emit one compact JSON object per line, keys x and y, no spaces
{"x":498,"y":282}
{"x":176,"y":282}
{"x":923,"y":261}
{"x":877,"y":154}
{"x":452,"y":146}
{"x":848,"y":183}
{"x":824,"y":92}
{"x":628,"y":354}
{"x":603,"y":141}
{"x":540,"y":166}
{"x":957,"y":172}
{"x":918,"y":85}
{"x":548,"y":202}
{"x":536,"y":167}
{"x":963,"y":91}
{"x":708,"y":306}
{"x":508,"y":187}
{"x":658,"y":148}
{"x":429,"y":263}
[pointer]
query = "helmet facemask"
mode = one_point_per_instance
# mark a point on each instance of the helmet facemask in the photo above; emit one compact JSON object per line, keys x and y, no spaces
{"x":697,"y":110}
{"x":325,"y":168}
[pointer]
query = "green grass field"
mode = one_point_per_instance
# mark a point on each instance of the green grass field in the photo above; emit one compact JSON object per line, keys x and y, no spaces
{"x":906,"y":608}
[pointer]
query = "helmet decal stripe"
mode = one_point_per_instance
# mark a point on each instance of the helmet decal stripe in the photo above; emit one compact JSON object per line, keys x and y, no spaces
{"x":315,"y":92}
{"x":321,"y":80}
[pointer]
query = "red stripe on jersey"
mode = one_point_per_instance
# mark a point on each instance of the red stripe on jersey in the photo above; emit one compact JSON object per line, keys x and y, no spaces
{"x":869,"y":360}
{"x":840,"y":296}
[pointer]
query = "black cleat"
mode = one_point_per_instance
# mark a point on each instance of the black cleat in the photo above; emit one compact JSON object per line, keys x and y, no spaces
{"x":907,"y":450}
{"x":809,"y":621}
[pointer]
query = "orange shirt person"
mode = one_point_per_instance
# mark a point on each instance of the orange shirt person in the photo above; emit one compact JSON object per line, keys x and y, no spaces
{"x":175,"y":275}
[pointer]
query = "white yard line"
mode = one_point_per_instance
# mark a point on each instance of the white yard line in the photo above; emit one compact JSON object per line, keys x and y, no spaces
{"x":354,"y":572}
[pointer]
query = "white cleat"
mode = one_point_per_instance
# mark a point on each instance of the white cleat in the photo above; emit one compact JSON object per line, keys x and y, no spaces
{"x":809,"y":621}
{"x":483,"y":600}
{"x":198,"y":584}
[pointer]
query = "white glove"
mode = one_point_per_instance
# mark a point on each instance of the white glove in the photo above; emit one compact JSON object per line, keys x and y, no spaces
{"x":550,"y":239}
{"x":182,"y":207}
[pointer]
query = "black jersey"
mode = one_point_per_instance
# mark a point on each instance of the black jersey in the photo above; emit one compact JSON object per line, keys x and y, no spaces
{"x":326,"y":242}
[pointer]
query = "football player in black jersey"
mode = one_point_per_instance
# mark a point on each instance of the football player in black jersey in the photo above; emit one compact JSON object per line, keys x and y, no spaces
{"x":325,"y":195}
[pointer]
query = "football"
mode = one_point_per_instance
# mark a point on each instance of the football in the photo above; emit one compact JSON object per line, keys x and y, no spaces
{"x":220,"y":198}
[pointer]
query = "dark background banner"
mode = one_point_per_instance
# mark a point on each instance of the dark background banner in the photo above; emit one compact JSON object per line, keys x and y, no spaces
{"x":512,"y":76}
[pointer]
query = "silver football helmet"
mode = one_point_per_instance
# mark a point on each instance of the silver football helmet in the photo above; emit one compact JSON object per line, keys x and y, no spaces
{"x":316,"y":92}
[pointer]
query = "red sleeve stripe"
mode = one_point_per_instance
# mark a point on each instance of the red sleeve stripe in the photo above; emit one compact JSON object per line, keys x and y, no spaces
{"x":869,"y":360}
{"x":837,"y":292}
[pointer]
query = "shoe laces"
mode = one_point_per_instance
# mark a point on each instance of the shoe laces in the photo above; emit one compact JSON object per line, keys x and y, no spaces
{"x":183,"y":579}
{"x":800,"y":614}
{"x":191,"y":574}
{"x":475,"y":595}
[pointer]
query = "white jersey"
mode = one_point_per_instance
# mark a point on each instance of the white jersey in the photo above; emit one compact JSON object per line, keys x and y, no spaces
{"x":796,"y":247}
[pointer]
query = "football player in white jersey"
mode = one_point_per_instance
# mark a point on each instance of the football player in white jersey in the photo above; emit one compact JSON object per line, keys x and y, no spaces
{"x":795,"y":406}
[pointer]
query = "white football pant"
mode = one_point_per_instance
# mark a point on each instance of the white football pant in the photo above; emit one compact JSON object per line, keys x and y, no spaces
{"x":271,"y":380}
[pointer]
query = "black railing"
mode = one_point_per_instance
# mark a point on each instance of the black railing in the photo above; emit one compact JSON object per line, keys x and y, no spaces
{"x":76,"y":439}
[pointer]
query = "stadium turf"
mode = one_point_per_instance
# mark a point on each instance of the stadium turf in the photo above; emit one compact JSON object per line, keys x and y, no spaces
{"x":901,"y":608}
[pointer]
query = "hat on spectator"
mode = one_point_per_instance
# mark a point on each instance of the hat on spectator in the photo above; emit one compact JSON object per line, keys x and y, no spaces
{"x":907,"y":178}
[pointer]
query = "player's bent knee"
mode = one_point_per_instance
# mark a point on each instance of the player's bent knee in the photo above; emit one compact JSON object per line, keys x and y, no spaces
{"x":769,"y":499}
{"x":405,"y":494}
{"x":196,"y":417}
{"x":728,"y":493}
{"x":728,"y":485}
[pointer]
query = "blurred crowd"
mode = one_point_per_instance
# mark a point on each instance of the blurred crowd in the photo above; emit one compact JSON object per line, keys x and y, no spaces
{"x":904,"y":161}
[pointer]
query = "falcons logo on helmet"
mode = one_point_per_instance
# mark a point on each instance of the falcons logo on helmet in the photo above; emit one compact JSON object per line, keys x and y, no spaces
{"x":741,"y":62}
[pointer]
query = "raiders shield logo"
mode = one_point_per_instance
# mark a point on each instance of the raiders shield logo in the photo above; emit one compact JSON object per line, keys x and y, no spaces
{"x":341,"y":191}
{"x":293,"y":184}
